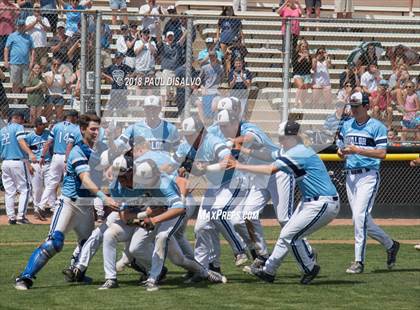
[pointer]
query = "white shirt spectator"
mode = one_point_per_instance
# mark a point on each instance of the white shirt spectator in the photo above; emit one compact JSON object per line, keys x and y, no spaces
{"x":121,"y":45}
{"x":148,"y":22}
{"x":369,"y":81}
{"x":56,"y":88}
{"x":321,"y":75}
{"x":145,"y":60}
{"x":37,"y":33}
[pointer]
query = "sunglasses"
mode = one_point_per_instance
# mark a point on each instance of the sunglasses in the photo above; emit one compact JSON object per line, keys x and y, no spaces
{"x":409,"y":87}
{"x":348,"y":85}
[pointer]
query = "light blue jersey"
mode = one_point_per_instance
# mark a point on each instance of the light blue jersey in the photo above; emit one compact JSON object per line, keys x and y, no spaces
{"x":36,"y":143}
{"x":76,"y":136}
{"x":63,"y":134}
{"x":10,"y":135}
{"x":81,"y":159}
{"x":164,"y":137}
{"x":308,"y":169}
{"x":370,"y":135}
{"x":160,"y":158}
{"x":212,"y":150}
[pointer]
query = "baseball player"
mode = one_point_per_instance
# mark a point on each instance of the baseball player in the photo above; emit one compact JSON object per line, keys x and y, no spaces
{"x":162,"y":135}
{"x":15,"y":168}
{"x":320,"y":202}
{"x":362,"y":142}
{"x":200,"y":150}
{"x":36,"y":140}
{"x":74,"y":212}
{"x":58,"y":139}
{"x":416,"y":163}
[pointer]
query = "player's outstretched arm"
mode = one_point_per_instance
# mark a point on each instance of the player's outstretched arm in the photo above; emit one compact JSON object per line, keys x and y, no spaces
{"x":260,"y":169}
{"x":24,"y":146}
{"x":373,"y":153}
{"x":166,"y":216}
{"x":91,"y":186}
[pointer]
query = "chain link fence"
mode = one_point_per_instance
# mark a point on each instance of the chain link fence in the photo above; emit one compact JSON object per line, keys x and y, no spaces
{"x":277,"y":68}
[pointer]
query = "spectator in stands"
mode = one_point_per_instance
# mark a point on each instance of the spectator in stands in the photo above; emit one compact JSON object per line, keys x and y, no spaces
{"x":145,"y":51}
{"x":302,"y":75}
{"x":381,"y":104}
{"x":344,"y":93}
{"x":106,"y":38}
{"x":350,"y":75}
{"x":151,"y":22}
{"x":180,"y":73}
{"x":416,"y":81}
{"x":116,"y":74}
{"x":368,"y":57}
{"x":37,"y":27}
{"x":240,"y":3}
{"x":399,"y":77}
{"x":291,"y":9}
{"x":321,"y":79}
{"x":35,"y":88}
{"x":21,"y":58}
{"x":410,"y":108}
{"x":74,"y":87}
{"x":170,"y":54}
{"x":4,"y":101}
{"x":211,"y":76}
{"x":26,"y":8}
{"x":393,"y":139}
{"x":240,"y":80}
{"x":125,"y":44}
{"x":119,"y":6}
{"x":370,"y":80}
{"x":397,"y":57}
{"x":410,"y":8}
{"x":51,"y":16}
{"x":228,"y":28}
{"x":313,"y":5}
{"x":174,"y":23}
{"x":203,"y":55}
{"x":344,"y":8}
{"x":56,"y":83}
{"x":73,"y":18}
{"x":8,"y":13}
{"x":236,"y":50}
{"x":60,"y":46}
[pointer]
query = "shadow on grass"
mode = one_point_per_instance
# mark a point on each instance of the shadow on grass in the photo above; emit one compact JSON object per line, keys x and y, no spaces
{"x":336,"y":282}
{"x":396,"y":270}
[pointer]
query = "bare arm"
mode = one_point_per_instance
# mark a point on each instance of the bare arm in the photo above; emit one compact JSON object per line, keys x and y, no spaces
{"x":373,"y":153}
{"x":91,"y":186}
{"x":168,"y":215}
{"x":24,"y":146}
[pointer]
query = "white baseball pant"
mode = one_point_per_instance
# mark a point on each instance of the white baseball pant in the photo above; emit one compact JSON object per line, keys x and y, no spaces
{"x":39,"y":181}
{"x":16,"y":178}
{"x":254,"y":204}
{"x":307,"y":218}
{"x":54,"y":176}
{"x":70,"y":215}
{"x":215,"y":215}
{"x":179,"y":235}
{"x":361,"y":192}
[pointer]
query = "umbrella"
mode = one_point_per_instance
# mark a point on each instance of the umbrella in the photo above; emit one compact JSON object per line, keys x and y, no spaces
{"x":362,"y":48}
{"x":408,"y":55}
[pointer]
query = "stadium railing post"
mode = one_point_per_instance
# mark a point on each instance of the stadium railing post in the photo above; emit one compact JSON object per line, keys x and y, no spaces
{"x":97,"y":84}
{"x":286,"y":68}
{"x":83,"y":63}
{"x":188,"y":65}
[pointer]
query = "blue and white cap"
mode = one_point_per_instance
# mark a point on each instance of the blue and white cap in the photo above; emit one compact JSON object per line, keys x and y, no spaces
{"x":152,"y":101}
{"x":191,"y":125}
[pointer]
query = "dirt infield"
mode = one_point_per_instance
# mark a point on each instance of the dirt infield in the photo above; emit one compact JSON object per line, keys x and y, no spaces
{"x":270,"y":222}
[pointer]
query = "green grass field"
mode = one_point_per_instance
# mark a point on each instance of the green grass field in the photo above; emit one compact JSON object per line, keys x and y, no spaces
{"x":377,"y":288}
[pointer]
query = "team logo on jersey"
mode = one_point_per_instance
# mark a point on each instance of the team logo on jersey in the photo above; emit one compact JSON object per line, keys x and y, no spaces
{"x":118,"y":76}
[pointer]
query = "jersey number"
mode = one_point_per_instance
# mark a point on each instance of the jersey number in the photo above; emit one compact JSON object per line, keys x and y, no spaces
{"x":66,"y":137}
{"x":5,"y":138}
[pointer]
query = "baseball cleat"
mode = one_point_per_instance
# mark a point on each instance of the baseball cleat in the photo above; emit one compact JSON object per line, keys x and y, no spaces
{"x":23,"y":284}
{"x":392,"y":254}
{"x":240,"y":259}
{"x":12,"y":222}
{"x":356,"y":267}
{"x":212,"y":267}
{"x":68,"y":274}
{"x":151,"y":286}
{"x":40,"y":214}
{"x":260,"y":273}
{"x":109,"y":284}
{"x":195,"y":278}
{"x":417,"y":247}
{"x":308,"y":277}
{"x":23,"y":221}
{"x":188,"y":275}
{"x":215,"y":277}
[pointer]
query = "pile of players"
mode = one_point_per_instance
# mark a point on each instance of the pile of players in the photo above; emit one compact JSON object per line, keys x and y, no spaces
{"x":149,"y":172}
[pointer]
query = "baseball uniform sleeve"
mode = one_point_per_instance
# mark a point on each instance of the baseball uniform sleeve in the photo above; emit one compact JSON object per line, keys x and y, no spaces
{"x":79,"y":161}
{"x":289,"y":165}
{"x":20,"y":132}
{"x":381,"y":137}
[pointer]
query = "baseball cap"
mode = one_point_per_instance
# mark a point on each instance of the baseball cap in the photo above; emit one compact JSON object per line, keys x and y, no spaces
{"x":147,"y":172}
{"x":383,"y":83}
{"x":152,"y":101}
{"x":191,"y":125}
{"x":226,"y":117}
{"x":41,"y":120}
{"x":289,"y":128}
{"x":209,"y":40}
{"x":124,"y":27}
{"x":119,"y":54}
{"x":72,"y":113}
{"x":61,"y":24}
{"x":171,"y":9}
{"x":358,"y":99}
{"x":170,"y":33}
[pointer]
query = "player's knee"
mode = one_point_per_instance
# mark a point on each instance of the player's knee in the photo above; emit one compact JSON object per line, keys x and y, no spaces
{"x":54,"y":244}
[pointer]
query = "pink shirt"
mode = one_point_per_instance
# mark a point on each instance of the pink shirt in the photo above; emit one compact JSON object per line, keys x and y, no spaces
{"x":7,"y":18}
{"x":410,"y":104}
{"x":289,"y":12}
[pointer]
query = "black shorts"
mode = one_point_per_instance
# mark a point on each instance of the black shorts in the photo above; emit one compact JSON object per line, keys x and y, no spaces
{"x":313,"y":3}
